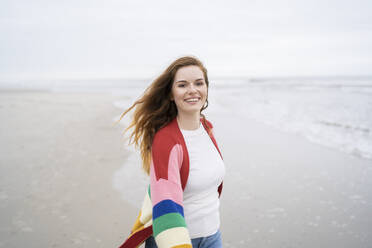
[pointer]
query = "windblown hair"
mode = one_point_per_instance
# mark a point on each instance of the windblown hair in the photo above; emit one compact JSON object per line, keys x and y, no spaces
{"x":155,"y":109}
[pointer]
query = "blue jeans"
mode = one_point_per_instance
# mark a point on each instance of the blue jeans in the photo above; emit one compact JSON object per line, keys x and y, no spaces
{"x":213,"y":241}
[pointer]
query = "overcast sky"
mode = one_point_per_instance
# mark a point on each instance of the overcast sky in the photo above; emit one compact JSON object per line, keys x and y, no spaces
{"x":117,"y":38}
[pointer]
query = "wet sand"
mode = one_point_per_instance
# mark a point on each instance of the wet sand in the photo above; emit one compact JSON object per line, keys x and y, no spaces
{"x":58,"y":154}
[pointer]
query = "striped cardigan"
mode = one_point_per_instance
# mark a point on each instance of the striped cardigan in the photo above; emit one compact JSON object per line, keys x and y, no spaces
{"x":161,"y":214}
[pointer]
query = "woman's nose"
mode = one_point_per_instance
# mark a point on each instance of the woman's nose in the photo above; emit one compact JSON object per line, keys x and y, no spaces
{"x":192,"y":88}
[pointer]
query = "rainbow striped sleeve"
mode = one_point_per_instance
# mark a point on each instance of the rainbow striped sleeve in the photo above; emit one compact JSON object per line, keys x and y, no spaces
{"x":169,"y":226}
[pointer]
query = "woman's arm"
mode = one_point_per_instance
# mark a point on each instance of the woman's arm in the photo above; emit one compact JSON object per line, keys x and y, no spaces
{"x":169,"y":226}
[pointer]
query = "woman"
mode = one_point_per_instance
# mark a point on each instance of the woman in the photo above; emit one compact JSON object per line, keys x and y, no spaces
{"x":179,"y":152}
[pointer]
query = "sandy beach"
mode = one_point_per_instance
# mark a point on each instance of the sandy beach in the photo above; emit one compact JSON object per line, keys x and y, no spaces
{"x":60,"y":153}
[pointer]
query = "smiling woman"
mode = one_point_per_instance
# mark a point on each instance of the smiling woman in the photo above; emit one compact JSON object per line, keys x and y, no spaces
{"x":179,"y":152}
{"x":189,"y":92}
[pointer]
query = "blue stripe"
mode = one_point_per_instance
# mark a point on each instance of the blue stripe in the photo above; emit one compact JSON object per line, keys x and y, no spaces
{"x":166,"y":207}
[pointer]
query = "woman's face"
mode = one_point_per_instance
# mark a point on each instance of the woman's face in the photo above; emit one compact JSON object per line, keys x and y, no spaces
{"x":189,"y":89}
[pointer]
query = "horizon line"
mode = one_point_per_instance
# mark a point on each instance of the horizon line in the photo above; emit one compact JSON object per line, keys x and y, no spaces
{"x":254,"y":78}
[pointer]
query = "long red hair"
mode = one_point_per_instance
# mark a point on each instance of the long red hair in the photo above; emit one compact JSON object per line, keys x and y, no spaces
{"x":154,"y":109}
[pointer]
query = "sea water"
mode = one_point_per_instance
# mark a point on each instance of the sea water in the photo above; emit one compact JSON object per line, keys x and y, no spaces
{"x":334,"y":112}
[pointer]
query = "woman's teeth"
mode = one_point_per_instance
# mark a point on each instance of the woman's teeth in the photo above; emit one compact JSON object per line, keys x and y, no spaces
{"x":192,"y":100}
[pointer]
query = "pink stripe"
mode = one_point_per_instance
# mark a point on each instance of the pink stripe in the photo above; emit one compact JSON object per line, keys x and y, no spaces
{"x":166,"y":190}
{"x":175,"y":163}
{"x":171,"y":189}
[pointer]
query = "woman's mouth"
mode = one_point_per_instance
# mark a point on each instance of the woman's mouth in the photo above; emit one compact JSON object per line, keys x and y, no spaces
{"x":192,"y":100}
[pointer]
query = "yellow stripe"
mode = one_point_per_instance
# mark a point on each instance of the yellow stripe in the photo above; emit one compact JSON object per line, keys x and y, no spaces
{"x":138,"y":225}
{"x":174,"y":237}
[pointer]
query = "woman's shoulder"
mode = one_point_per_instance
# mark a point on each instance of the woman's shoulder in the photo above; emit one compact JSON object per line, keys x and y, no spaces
{"x":166,"y":144}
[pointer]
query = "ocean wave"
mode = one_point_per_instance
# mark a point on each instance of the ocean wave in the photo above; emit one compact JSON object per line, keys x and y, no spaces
{"x":345,"y":126}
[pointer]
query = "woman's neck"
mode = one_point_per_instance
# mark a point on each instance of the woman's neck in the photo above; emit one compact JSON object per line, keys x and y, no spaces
{"x":188,"y":122}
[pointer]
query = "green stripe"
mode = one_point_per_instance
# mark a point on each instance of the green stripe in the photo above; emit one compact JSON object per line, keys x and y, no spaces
{"x":149,"y":191}
{"x":167,"y":221}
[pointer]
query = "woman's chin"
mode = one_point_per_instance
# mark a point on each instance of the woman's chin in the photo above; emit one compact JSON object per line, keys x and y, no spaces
{"x":191,"y":111}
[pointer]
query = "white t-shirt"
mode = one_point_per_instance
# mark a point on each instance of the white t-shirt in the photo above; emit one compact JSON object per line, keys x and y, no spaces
{"x":200,"y":197}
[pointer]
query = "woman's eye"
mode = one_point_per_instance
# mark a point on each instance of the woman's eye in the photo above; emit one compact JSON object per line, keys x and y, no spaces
{"x":181,"y":85}
{"x":199,"y":83}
